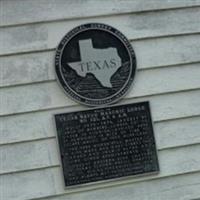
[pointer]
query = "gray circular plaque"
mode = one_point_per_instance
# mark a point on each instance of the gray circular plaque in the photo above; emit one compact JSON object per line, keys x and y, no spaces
{"x":95,"y":64}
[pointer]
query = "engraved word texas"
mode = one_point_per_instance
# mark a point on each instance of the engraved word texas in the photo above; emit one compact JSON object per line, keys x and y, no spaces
{"x":102,"y":63}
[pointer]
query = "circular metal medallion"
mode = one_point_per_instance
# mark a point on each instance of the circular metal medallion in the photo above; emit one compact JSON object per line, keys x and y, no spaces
{"x":95,"y":64}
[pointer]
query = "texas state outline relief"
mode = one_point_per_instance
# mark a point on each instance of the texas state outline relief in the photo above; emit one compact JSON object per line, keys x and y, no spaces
{"x":102,"y":63}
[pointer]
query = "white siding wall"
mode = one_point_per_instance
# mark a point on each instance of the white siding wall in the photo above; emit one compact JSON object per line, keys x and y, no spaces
{"x":166,"y":38}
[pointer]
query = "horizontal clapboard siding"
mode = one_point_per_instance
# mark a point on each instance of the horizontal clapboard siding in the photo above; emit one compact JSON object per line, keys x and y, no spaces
{"x":49,"y":181}
{"x":135,"y":26}
{"x":179,"y":132}
{"x":34,"y":126}
{"x":49,"y":96}
{"x":44,"y":153}
{"x":151,"y":53}
{"x":50,"y":10}
{"x":176,"y":188}
{"x":166,"y":38}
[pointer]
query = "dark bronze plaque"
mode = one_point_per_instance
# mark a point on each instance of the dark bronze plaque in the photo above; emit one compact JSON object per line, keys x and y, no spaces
{"x":106,"y":143}
{"x":95,"y":64}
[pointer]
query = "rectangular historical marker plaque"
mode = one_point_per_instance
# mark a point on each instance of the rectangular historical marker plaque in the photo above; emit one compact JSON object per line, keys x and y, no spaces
{"x":106,"y":143}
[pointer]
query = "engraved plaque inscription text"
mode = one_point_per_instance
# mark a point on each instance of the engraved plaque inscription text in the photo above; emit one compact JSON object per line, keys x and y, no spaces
{"x":106,"y":143}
